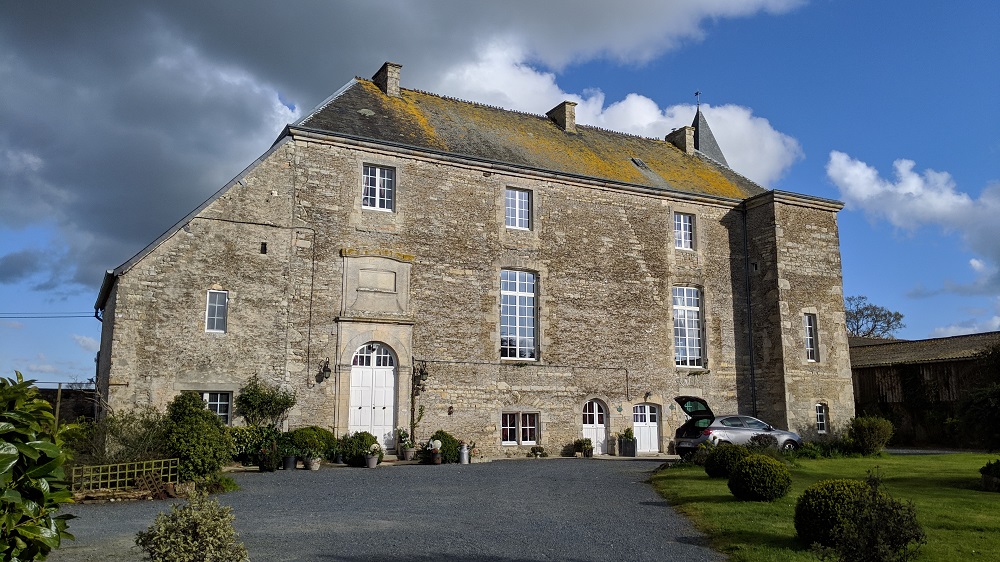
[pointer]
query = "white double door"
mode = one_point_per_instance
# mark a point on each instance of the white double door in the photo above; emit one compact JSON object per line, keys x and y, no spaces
{"x":595,"y":426}
{"x":645,"y":424}
{"x":373,"y":394}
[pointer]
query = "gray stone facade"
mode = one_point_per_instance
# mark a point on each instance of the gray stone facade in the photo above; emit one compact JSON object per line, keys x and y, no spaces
{"x":423,"y":280}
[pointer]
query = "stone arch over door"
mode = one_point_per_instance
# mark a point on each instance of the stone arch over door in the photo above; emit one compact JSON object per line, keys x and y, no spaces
{"x":373,"y":388}
{"x":595,"y":424}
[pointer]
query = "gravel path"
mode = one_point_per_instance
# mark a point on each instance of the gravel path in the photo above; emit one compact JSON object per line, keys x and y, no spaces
{"x":552,"y":509}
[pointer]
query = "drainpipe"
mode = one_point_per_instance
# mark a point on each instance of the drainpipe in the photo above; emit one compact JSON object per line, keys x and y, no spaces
{"x":746,"y":277}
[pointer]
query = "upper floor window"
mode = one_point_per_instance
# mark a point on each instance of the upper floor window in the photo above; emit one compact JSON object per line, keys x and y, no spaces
{"x":219,"y":404}
{"x":380,"y":188}
{"x":821,"y":421}
{"x":812,"y":337}
{"x":688,"y":344}
{"x":518,"y":208}
{"x":684,"y":231}
{"x":517,"y":314}
{"x":216,"y":311}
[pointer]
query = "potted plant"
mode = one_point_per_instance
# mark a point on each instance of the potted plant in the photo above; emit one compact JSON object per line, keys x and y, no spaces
{"x":407,"y":448}
{"x":538,"y":452}
{"x":991,"y":476}
{"x":374,"y":453}
{"x":269,"y":456}
{"x":434,"y":446}
{"x":584,"y":446}
{"x":626,"y":443}
{"x":311,"y":458}
{"x":288,"y":452}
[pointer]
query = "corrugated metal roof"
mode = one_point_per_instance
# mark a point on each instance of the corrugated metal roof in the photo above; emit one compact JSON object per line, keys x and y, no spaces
{"x":903,"y":352}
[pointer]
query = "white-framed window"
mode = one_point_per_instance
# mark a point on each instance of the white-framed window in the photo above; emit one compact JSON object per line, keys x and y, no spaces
{"x":219,"y":403}
{"x":518,"y":208}
{"x":517,"y":315}
{"x":684,"y":231}
{"x":380,"y":188}
{"x":688,"y":341}
{"x":812,"y":337}
{"x":644,"y":413}
{"x":217,"y":311}
{"x":821,"y":418}
{"x":519,"y":428}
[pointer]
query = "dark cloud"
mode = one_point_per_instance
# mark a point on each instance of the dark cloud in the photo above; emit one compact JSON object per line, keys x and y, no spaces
{"x":18,"y":266}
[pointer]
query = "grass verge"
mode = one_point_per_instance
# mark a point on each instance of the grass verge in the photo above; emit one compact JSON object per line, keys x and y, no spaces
{"x":960,"y":519}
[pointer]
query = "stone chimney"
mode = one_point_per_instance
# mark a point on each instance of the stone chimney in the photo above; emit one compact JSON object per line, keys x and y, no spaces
{"x":564,"y":115}
{"x":387,"y":79}
{"x":682,"y":138}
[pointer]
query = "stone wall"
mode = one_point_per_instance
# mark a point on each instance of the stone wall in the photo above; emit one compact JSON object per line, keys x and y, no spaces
{"x":605,"y":261}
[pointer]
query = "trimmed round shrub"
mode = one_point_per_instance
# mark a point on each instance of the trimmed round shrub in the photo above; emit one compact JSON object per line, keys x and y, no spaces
{"x":313,"y":441}
{"x":870,"y":434}
{"x":354,"y":448}
{"x":449,"y":447}
{"x":198,"y":530}
{"x":722,"y":459}
{"x":822,"y":509}
{"x":759,"y":478}
{"x":197,"y":437}
{"x":250,"y":440}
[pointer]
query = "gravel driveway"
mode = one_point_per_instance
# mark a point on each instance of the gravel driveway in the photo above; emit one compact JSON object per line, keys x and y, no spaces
{"x":550,"y":509}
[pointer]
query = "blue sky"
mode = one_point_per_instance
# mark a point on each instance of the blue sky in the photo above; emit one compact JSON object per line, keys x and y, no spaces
{"x":116,"y":119}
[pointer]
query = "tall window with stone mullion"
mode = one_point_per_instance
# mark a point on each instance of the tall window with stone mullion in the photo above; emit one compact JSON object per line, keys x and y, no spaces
{"x":379,"y":190}
{"x":517,"y":315}
{"x":688,"y":343}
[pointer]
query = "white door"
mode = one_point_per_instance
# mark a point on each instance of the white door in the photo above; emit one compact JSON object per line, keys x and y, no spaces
{"x":373,"y":393}
{"x":595,"y":426}
{"x":645,"y":424}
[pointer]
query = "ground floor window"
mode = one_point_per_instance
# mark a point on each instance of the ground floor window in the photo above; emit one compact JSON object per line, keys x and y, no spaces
{"x":219,"y":404}
{"x":519,"y":428}
{"x":821,"y":415}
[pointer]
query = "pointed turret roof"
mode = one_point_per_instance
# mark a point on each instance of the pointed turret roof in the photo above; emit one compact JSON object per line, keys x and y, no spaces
{"x":704,"y":140}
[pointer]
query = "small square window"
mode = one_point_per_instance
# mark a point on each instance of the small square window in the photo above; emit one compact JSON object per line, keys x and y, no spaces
{"x":518,"y":208}
{"x":217,"y":311}
{"x":219,"y":404}
{"x":379,"y":189}
{"x":684,"y":231}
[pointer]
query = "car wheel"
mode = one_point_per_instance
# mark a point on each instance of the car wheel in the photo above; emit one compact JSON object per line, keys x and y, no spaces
{"x":789,"y":446}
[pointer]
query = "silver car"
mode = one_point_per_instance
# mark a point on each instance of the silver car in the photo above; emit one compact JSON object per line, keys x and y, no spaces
{"x":705,"y":427}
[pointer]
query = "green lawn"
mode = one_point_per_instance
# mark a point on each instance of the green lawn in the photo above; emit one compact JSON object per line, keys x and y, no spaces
{"x":961,"y":521}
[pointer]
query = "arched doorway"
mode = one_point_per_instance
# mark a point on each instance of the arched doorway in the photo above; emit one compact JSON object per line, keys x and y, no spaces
{"x":595,"y":425}
{"x":645,"y":423}
{"x":373,"y":393}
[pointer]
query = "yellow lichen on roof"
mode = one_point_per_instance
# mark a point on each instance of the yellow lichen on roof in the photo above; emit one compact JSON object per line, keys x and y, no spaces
{"x":500,"y":135}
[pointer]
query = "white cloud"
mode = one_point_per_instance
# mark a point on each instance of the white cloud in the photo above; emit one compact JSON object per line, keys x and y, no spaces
{"x":500,"y":76}
{"x":87,"y":343}
{"x":913,"y":200}
{"x":971,"y":327}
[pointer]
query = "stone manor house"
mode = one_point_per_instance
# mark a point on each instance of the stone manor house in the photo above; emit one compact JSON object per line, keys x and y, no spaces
{"x":514,"y":279}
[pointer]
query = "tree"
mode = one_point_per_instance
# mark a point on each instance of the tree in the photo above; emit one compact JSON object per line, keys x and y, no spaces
{"x":867,"y":320}
{"x":262,"y":404}
{"x":32,"y":481}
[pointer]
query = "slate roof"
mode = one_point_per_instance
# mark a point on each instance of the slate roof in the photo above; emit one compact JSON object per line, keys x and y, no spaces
{"x":903,"y":352}
{"x":705,"y":141}
{"x":446,"y":125}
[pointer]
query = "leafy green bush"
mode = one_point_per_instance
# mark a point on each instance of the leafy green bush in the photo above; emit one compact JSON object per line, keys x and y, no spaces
{"x":31,"y":473}
{"x":216,"y":484}
{"x":981,"y":415}
{"x":869,"y":434}
{"x":580,"y":445}
{"x":313,"y":441}
{"x":449,"y":447}
{"x":762,"y":442}
{"x":760,"y":478}
{"x":250,"y":440}
{"x":991,"y":468}
{"x":720,"y":460}
{"x":197,"y":437}
{"x":876,"y":528}
{"x":355,"y":446}
{"x":193,"y":532}
{"x":824,"y":507}
{"x":263,"y":404}
{"x":699,"y":456}
{"x":119,"y":437}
